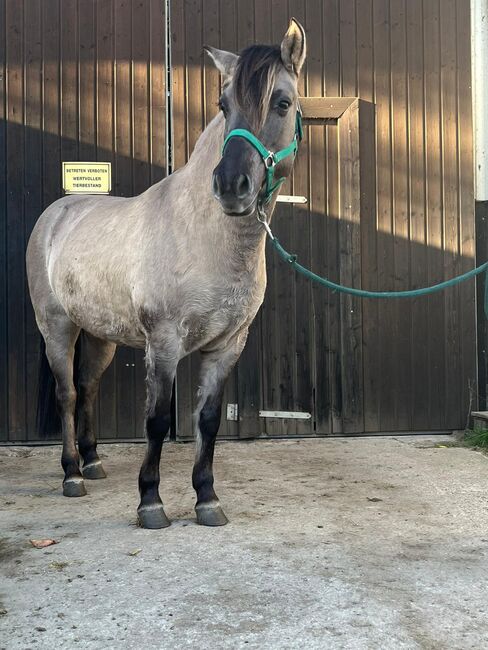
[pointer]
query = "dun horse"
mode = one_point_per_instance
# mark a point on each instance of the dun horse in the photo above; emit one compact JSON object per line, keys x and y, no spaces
{"x":179,"y":268}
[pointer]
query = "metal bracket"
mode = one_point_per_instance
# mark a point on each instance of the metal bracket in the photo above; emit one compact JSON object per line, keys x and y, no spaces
{"x":286,"y":198}
{"x":233,"y":412}
{"x":287,"y":415}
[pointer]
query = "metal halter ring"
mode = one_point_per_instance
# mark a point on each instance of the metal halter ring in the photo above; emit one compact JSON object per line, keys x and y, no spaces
{"x":269,"y":161}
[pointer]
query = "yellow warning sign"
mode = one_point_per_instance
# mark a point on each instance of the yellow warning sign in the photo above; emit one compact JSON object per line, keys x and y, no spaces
{"x":87,"y":177}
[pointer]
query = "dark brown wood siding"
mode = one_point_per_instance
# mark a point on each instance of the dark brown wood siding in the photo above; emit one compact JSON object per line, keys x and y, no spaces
{"x":373,"y":366}
{"x":390,"y":208}
{"x":80,"y":80}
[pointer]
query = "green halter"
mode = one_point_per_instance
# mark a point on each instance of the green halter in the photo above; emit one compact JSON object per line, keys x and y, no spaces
{"x":270,"y":159}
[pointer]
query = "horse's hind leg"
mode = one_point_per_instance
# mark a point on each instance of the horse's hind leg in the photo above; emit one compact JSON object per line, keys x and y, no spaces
{"x":216,"y":367}
{"x":60,"y":335}
{"x":95,"y":357}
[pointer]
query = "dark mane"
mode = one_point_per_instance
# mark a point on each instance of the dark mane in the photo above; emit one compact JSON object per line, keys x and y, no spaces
{"x":254,"y":81}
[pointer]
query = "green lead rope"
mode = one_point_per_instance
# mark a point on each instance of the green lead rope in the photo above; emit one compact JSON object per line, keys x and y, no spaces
{"x":362,"y":293}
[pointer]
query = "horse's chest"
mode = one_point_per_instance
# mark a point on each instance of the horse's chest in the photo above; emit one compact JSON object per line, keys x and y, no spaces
{"x":224,"y":311}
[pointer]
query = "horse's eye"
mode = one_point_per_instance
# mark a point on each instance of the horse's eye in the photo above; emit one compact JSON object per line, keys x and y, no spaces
{"x":222,"y":107}
{"x":284,"y":104}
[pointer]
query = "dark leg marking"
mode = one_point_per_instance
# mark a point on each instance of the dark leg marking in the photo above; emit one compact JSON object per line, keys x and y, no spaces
{"x":208,"y":509}
{"x":161,"y":369}
{"x":60,"y":343}
{"x":215,"y":369}
{"x":95,"y":357}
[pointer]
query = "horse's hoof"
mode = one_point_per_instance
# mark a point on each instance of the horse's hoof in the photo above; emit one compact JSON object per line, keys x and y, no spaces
{"x":94,"y":470}
{"x":210,"y":514}
{"x":74,"y":487}
{"x":152,"y":516}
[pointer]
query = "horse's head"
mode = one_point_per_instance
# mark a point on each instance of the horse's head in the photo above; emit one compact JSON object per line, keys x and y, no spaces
{"x":259,"y":101}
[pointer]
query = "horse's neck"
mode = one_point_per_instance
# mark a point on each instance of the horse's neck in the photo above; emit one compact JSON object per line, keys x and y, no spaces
{"x":208,"y":215}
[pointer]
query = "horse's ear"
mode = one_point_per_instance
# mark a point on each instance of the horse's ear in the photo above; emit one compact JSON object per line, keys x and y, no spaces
{"x":294,"y":47}
{"x":225,"y":62}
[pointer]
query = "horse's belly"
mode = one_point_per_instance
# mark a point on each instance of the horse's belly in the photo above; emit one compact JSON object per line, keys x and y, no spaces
{"x":106,"y":319}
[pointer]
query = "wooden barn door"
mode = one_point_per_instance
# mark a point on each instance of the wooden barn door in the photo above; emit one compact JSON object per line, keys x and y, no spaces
{"x":391,"y":208}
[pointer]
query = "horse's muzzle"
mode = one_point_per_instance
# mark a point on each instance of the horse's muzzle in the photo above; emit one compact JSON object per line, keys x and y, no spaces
{"x":235,"y":193}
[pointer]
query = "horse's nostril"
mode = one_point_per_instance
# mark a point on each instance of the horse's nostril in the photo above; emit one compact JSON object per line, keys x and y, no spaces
{"x":216,"y":185}
{"x":243,"y":186}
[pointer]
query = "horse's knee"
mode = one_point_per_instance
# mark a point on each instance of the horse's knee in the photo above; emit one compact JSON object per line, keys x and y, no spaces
{"x":158,"y":424}
{"x":66,"y":398}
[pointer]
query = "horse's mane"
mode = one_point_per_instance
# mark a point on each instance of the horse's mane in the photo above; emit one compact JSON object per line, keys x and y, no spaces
{"x":254,"y":80}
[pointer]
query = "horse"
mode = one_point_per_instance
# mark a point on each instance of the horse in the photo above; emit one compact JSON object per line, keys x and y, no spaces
{"x":178,"y":268}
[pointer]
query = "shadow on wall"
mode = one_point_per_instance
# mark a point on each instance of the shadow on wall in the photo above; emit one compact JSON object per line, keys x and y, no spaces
{"x":31,"y":182}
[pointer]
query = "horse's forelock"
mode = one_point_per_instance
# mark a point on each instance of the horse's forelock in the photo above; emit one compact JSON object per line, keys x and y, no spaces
{"x":254,"y":80}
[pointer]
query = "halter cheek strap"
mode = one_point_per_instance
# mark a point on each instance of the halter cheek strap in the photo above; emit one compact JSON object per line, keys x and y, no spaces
{"x":270,"y":158}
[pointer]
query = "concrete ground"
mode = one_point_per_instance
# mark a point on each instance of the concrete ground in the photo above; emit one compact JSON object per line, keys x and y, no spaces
{"x":360,"y":543}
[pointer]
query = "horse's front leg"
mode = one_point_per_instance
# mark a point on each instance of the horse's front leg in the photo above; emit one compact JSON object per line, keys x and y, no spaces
{"x":161,"y":365}
{"x":216,"y":367}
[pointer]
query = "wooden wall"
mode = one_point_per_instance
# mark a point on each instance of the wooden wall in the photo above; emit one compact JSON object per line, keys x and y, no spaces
{"x":417,"y":361}
{"x":84,"y":80}
{"x":81,"y":80}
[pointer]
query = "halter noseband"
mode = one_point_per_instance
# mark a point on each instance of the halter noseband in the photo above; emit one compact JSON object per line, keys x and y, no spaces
{"x":270,"y":158}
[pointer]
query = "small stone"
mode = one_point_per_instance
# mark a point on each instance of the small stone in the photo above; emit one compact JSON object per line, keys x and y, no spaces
{"x":41,"y":629}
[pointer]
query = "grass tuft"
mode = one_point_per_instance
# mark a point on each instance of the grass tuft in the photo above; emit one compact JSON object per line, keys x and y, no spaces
{"x":476,"y":437}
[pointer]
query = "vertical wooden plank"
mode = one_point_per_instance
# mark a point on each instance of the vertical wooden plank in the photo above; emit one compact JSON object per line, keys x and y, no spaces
{"x":350,"y":272}
{"x":243,"y":386}
{"x":69,"y":80}
{"x":125,"y":361}
{"x":179,"y":153}
{"x":453,"y":367}
{"x":369,"y":235}
{"x":211,"y":77}
{"x":105,"y":88}
{"x":434,"y":208}
{"x":87,"y":129}
{"x":398,"y":367}
{"x":364,"y":23}
{"x":332,"y":85}
{"x":301,"y":224}
{"x":32,"y":191}
{"x":3,"y":229}
{"x":157,"y":62}
{"x":249,"y":370}
{"x":331,"y":31}
{"x":194,"y":61}
{"x":386,"y":272}
{"x":245,"y":21}
{"x":269,"y":317}
{"x":178,"y":90}
{"x":318,"y":225}
{"x":466,"y":208}
{"x":51,"y":144}
{"x":348,"y":44}
{"x":369,"y":269}
{"x":262,"y":26}
{"x":141,"y":115}
{"x":418,"y":251}
{"x":15,"y":221}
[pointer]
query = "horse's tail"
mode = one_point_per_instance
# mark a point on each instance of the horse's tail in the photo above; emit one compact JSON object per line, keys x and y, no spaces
{"x":48,"y":421}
